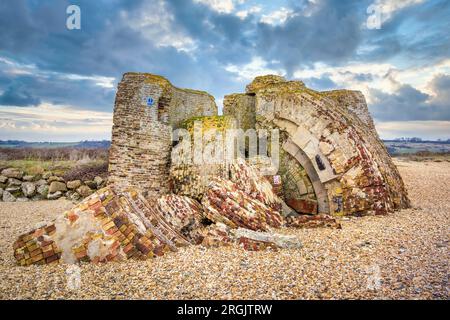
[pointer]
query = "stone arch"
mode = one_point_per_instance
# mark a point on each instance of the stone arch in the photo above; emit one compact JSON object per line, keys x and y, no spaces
{"x":319,"y":189}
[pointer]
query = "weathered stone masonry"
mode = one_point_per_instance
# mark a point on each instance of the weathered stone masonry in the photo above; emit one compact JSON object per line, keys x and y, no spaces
{"x":332,"y":160}
{"x":146,"y":109}
{"x":333,"y":138}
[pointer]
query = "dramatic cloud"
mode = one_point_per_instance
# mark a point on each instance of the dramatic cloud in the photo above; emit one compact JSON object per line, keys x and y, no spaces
{"x":408,"y":103}
{"x":54,"y":123}
{"x":427,"y":130}
{"x":219,"y":46}
{"x":331,"y":34}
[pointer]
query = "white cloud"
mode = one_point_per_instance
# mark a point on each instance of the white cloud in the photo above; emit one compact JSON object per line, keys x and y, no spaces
{"x":158,"y":25}
{"x":386,"y":9}
{"x":221,"y":6}
{"x":54,"y":122}
{"x":252,"y":10}
{"x":348,"y":76}
{"x":382,"y":76}
{"x":425,"y":129}
{"x":256,"y":67}
{"x":14,"y":68}
{"x":104,"y":82}
{"x":278,"y":17}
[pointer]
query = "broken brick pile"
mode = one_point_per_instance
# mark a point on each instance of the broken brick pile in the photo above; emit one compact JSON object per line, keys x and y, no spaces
{"x":104,"y":227}
{"x":111,"y":225}
{"x":225,"y":202}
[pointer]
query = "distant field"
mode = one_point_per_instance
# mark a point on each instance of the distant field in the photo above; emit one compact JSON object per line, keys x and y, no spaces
{"x":61,"y":161}
{"x":59,"y":168}
{"x":103,"y":144}
{"x":403,"y":148}
{"x":46,"y":145}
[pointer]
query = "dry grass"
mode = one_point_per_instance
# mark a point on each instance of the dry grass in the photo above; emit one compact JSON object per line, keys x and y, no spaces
{"x":424,"y":156}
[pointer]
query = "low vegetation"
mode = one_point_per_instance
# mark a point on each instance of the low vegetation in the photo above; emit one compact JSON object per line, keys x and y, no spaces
{"x":422,"y":156}
{"x":61,"y":161}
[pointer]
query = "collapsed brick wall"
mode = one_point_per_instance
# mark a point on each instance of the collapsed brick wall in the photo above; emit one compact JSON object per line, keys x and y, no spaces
{"x":332,"y":136}
{"x":147,"y":108}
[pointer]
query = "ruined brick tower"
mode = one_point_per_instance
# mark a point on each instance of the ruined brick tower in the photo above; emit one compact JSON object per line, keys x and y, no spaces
{"x":331,"y":158}
{"x":146,"y":109}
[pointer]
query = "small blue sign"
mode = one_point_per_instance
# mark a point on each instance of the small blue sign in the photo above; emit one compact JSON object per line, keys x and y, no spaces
{"x":150,"y":101}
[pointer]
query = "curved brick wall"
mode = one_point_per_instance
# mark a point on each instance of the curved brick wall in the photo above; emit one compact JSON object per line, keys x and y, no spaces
{"x":146,"y":109}
{"x":333,"y":132}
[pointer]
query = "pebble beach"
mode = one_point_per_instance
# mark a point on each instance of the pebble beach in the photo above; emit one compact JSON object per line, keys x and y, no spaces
{"x":404,"y":255}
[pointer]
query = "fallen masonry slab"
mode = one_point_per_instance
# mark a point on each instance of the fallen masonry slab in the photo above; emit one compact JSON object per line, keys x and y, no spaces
{"x":269,"y":238}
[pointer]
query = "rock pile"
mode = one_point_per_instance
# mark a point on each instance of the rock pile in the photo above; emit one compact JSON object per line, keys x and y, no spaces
{"x":15,"y":185}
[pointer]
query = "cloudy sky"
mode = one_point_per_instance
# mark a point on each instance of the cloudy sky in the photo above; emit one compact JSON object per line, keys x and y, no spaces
{"x":59,"y":84}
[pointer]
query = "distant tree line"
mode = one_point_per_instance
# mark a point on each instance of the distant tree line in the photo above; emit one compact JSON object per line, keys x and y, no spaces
{"x":417,"y":140}
{"x":53,"y":154}
{"x":103,"y":144}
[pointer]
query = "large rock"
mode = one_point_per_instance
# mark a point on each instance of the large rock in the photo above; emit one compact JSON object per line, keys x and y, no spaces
{"x":41,"y":182}
{"x":28,"y":178}
{"x":57,"y":186}
{"x":91,"y":184}
{"x":54,"y":195}
{"x":73,"y":184}
{"x":55,"y":178}
{"x":13,"y":182}
{"x":12,"y":173}
{"x":73,"y":196}
{"x":3,"y":179}
{"x":85,"y":191}
{"x":38,"y":197}
{"x":8,"y":197}
{"x":47,"y":175}
{"x":28,"y":189}
{"x":42,"y":190}
{"x":98,"y":181}
{"x":248,"y":237}
{"x":15,"y":191}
